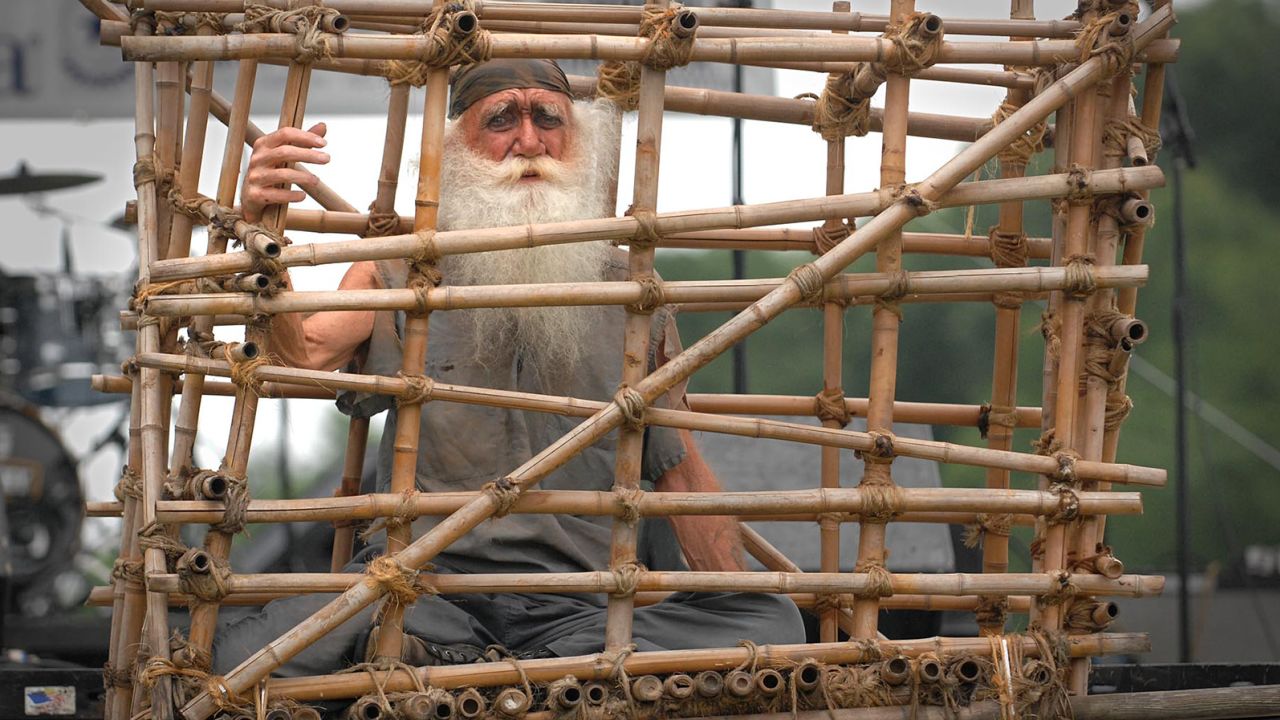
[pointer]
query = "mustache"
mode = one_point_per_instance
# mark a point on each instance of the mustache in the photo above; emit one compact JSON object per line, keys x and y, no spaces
{"x":513,"y":169}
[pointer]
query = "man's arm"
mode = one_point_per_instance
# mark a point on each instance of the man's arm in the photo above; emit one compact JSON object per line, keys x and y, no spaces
{"x":710,"y":542}
{"x":326,"y":340}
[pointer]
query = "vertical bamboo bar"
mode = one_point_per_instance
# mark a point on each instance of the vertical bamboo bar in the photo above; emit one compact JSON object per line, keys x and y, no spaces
{"x":832,"y":384}
{"x":383,"y":202}
{"x":635,"y":364}
{"x":128,"y":599}
{"x":204,"y":616}
{"x":404,"y":461}
{"x":884,"y":332}
{"x":1076,"y":245}
{"x":1004,"y":380}
{"x":170,"y":78}
{"x":153,"y":434}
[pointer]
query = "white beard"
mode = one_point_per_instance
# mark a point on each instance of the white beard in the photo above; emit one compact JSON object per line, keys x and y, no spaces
{"x":476,"y":192}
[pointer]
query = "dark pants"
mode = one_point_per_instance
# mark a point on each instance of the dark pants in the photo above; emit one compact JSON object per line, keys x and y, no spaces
{"x":564,"y":624}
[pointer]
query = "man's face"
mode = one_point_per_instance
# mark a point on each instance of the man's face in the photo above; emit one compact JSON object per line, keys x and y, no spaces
{"x":525,"y":122}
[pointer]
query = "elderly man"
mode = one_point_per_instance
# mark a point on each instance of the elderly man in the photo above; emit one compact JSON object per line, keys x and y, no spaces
{"x":518,"y":151}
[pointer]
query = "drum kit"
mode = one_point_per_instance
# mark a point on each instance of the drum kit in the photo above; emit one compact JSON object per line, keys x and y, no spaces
{"x":57,"y":329}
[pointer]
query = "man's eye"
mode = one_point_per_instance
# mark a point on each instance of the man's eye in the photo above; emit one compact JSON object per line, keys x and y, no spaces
{"x":547,"y":121}
{"x":501,"y":122}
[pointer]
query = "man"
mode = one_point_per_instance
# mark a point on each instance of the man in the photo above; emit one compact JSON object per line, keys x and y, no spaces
{"x":519,"y":151}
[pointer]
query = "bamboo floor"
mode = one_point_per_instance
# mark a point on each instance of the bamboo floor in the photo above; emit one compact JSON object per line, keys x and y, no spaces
{"x":1082,"y":100}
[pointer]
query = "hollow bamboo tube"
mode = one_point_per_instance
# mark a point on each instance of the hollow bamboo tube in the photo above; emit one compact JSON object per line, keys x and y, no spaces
{"x":127,"y":597}
{"x":1004,"y":373}
{"x":153,"y":431}
{"x":404,"y":458}
{"x":169,"y":114}
{"x":747,"y":427}
{"x":792,"y":211}
{"x":459,"y":297}
{"x":831,"y":53}
{"x":832,"y":383}
{"x":636,"y":332}
{"x":912,"y":412}
{"x":697,"y":355}
{"x":947,"y":505}
{"x":592,"y":667}
{"x":649,"y":581}
{"x":885,"y":320}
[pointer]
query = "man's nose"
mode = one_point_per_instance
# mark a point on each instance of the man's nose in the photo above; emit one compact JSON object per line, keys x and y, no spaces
{"x":528,"y":143}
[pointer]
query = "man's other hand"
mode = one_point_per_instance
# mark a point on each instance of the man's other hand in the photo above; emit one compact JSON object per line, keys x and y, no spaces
{"x":269,"y":180}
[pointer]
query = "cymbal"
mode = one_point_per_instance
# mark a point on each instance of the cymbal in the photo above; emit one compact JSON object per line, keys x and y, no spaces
{"x":25,"y":181}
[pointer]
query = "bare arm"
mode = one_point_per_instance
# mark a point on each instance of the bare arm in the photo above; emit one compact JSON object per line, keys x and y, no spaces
{"x":710,"y":542}
{"x":327,"y":340}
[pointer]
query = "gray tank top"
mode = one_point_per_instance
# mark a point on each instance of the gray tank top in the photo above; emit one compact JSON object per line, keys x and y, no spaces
{"x":462,"y":447}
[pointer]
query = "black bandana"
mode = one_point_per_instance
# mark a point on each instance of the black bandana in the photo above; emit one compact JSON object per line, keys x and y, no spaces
{"x":474,"y":82}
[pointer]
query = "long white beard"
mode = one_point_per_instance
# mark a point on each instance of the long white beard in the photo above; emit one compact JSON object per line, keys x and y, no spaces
{"x":477,"y":192}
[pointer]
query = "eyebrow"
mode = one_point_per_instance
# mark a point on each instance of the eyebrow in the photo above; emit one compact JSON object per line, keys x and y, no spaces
{"x":496,"y":110}
{"x":549,"y":109}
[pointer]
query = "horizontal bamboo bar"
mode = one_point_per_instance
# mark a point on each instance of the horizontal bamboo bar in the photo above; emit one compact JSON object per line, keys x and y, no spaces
{"x":708,"y":17}
{"x":911,"y":412}
{"x":746,"y":427}
{"x":748,"y":51}
{"x":101,"y":597}
{"x":599,"y":667}
{"x":739,"y":216}
{"x":650,"y":581}
{"x":460,"y":297}
{"x":656,"y":504}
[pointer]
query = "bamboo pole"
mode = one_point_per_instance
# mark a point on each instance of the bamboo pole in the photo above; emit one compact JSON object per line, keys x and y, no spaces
{"x":1004,"y":380}
{"x":763,"y":582}
{"x":636,"y":333}
{"x":833,"y":618}
{"x":885,"y":319}
{"x":101,"y":597}
{"x":792,"y":211}
{"x":426,"y":547}
{"x":845,"y":288}
{"x":946,"y":502}
{"x":831,"y":53}
{"x":169,"y":113}
{"x":153,"y":430}
{"x":598,"y":667}
{"x":746,"y":427}
{"x":404,"y":458}
{"x":912,"y":412}
{"x":128,"y":599}
{"x":773,"y":559}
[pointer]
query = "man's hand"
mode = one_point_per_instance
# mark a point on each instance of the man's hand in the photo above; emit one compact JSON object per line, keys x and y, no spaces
{"x":269,"y":180}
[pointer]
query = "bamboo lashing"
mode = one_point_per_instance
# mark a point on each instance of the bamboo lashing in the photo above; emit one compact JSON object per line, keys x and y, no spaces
{"x":1077,"y":68}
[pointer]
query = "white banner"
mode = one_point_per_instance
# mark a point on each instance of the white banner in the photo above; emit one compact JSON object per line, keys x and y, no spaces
{"x":52,"y":66}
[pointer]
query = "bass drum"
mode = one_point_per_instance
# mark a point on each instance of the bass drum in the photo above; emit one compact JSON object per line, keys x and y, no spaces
{"x":43,"y":503}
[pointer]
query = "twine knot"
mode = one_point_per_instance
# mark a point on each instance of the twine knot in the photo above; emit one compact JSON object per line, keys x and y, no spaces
{"x":881,"y":450}
{"x":505,"y":492}
{"x":632,"y":404}
{"x":626,"y":578}
{"x":628,"y":500}
{"x":916,"y":43}
{"x":669,"y":44}
{"x":399,"y":583}
{"x":652,"y":296}
{"x":829,"y":406}
{"x":417,"y":389}
{"x":808,"y":279}
{"x":828,"y":235}
{"x":879,"y":580}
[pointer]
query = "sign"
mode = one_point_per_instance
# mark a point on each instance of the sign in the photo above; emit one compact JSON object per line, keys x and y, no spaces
{"x":52,"y":66}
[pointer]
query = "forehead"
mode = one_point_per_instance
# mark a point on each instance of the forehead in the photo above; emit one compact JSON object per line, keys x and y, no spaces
{"x":521,"y":97}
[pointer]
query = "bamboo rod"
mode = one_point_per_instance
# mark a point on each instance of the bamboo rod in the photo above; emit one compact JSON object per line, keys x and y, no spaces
{"x":459,"y":297}
{"x":747,"y":427}
{"x":1004,"y":372}
{"x":965,"y":501}
{"x":128,"y":599}
{"x":885,"y":319}
{"x":169,"y":113}
{"x":713,"y":17}
{"x":649,"y":581}
{"x":152,"y":429}
{"x":598,"y":667}
{"x":774,"y":559}
{"x":101,"y":597}
{"x":636,"y":333}
{"x":792,"y":211}
{"x":422,"y":550}
{"x":765,"y":52}
{"x":911,"y":412}
{"x":404,"y":458}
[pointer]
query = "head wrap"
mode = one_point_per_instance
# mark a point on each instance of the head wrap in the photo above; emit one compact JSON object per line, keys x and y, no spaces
{"x":474,"y":82}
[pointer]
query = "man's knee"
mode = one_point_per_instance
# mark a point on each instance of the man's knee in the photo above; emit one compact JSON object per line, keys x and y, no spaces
{"x":775,"y":619}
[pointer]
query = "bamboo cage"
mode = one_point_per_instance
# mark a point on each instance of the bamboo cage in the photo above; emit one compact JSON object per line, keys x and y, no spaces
{"x":1068,"y":83}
